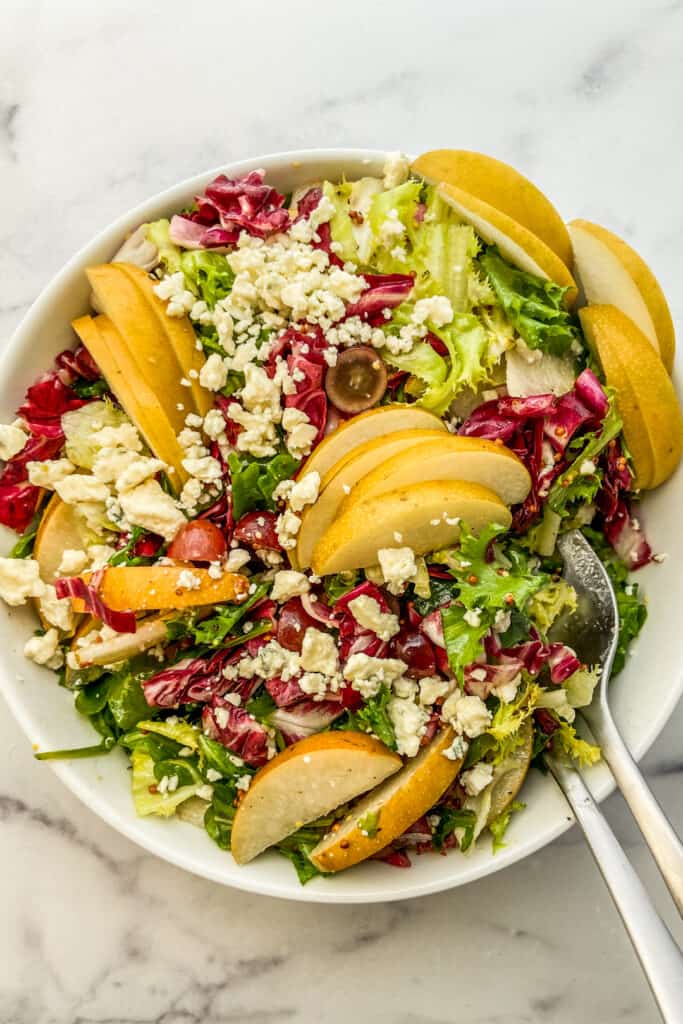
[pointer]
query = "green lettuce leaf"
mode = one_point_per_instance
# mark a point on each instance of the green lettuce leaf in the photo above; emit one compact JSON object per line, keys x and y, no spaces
{"x":499,"y":826}
{"x":146,"y":798}
{"x":580,"y":687}
{"x":506,"y":580}
{"x":341,"y":225}
{"x":254,"y":480}
{"x":180,"y":732}
{"x":549,"y":602}
{"x":572,"y":489}
{"x":373,"y":717}
{"x":158,"y":232}
{"x":567,"y":742}
{"x":208,"y":274}
{"x":463,"y":641}
{"x":533,"y":305}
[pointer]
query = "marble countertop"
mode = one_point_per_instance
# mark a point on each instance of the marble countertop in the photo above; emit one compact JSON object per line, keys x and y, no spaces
{"x":103,"y":105}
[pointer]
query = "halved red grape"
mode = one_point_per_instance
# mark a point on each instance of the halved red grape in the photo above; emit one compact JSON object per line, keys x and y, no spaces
{"x":293,"y":621}
{"x":257,"y":530}
{"x":415,"y":649}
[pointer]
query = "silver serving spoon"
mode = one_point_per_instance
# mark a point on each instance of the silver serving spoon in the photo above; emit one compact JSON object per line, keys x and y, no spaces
{"x":593,"y":632}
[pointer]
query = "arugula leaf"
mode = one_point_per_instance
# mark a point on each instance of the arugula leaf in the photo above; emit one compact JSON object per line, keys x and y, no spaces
{"x":298,"y":854}
{"x":498,"y":827}
{"x":217,"y":627}
{"x":23,"y":548}
{"x":220,"y":814}
{"x":125,"y":556}
{"x":533,"y":305}
{"x":369,"y":823}
{"x":261,"y":706}
{"x":90,"y":388}
{"x":449,"y":820}
{"x":442,"y":591}
{"x":215,"y":755}
{"x":518,"y":630}
{"x":339,"y":584}
{"x":126,"y":699}
{"x":373,"y":717}
{"x":254,"y":480}
{"x":632,"y":610}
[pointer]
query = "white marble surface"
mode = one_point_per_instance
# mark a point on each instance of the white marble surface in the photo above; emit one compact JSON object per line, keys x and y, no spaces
{"x":104,"y":104}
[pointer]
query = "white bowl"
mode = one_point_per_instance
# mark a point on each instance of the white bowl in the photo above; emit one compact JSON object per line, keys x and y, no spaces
{"x":643,"y":696}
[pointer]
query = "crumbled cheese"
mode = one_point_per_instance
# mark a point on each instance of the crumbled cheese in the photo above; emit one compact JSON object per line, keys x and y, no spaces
{"x":141,"y":469}
{"x":396,"y":170}
{"x":188,"y":580}
{"x":391,"y":229}
{"x":466,"y":714}
{"x":12,"y":439}
{"x":367,"y":674}
{"x":477,"y":778}
{"x":44,"y":650}
{"x":214,"y":373}
{"x":355,"y":331}
{"x":473,"y":617}
{"x":111,"y":463}
{"x":398,"y":566}
{"x":319,"y":652}
{"x":437,"y":309}
{"x":287,"y":526}
{"x":57,"y":611}
{"x":432,"y":688}
{"x":72,"y":563}
{"x":99,"y":555}
{"x":304,"y":492}
{"x":258,"y":436}
{"x":406,"y":688}
{"x":205,"y":468}
{"x":300,"y":433}
{"x":587,"y":467}
{"x":49,"y":473}
{"x":410,"y":724}
{"x":172,"y":289}
{"x":368,"y":614}
{"x":506,"y":692}
{"x":150,"y":507}
{"x":236,"y":560}
{"x":78,"y":487}
{"x":457,"y":749}
{"x":123,"y":436}
{"x":214,"y":424}
{"x":243,"y":782}
{"x":212,"y":775}
{"x":19,"y":580}
{"x":205,"y":792}
{"x":271,"y":661}
{"x":288,"y":583}
{"x":191,"y":495}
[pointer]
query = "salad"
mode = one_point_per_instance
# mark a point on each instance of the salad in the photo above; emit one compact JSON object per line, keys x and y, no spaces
{"x":288,"y":509}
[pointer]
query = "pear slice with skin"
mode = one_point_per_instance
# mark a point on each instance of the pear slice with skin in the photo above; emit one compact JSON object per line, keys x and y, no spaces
{"x":141,"y":588}
{"x":425,"y":516}
{"x":501,"y":186}
{"x":653,"y":424}
{"x":605,"y":280}
{"x":307,"y":781}
{"x":61,"y":527}
{"x":385,"y":419}
{"x":340,"y":479}
{"x":447,"y":458}
{"x":140,"y":330}
{"x":385,"y":813}
{"x":136,"y":397}
{"x":515,"y":242}
{"x":509,"y":776}
{"x":602,"y":259}
{"x":179,"y":333}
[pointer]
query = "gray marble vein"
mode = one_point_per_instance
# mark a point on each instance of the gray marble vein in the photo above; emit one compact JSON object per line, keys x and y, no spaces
{"x":103,"y":105}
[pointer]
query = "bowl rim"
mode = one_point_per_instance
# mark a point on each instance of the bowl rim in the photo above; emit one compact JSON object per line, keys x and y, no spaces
{"x":600,"y":781}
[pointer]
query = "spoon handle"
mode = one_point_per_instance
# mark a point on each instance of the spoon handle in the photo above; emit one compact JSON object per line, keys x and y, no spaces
{"x":659,"y":956}
{"x":664,"y":844}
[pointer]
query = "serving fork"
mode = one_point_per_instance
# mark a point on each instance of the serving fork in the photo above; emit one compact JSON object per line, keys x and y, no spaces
{"x":593,"y":631}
